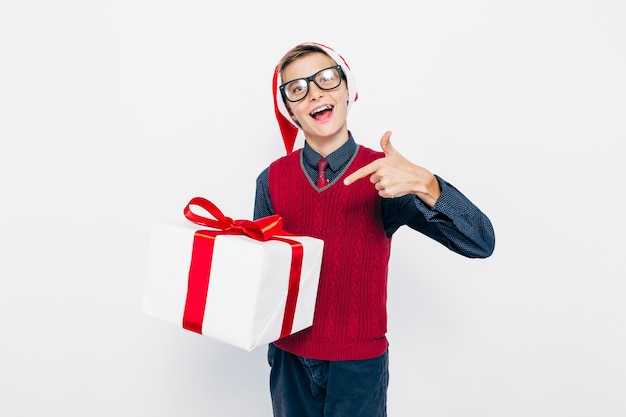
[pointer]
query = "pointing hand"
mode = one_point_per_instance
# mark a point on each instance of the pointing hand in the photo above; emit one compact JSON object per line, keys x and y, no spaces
{"x":394,"y":176}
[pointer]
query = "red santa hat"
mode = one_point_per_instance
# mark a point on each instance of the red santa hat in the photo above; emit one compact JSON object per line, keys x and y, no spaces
{"x":288,"y":127}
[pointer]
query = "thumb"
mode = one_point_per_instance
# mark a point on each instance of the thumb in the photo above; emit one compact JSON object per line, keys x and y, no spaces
{"x":385,"y":144}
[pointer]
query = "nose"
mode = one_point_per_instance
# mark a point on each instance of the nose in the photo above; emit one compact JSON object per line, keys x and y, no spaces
{"x":314,"y":91}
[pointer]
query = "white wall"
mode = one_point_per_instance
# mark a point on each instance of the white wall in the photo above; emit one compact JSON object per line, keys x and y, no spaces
{"x":113,"y":114}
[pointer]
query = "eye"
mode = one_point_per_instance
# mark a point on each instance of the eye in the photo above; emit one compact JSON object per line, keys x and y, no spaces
{"x":296,"y":87}
{"x":328,"y":77}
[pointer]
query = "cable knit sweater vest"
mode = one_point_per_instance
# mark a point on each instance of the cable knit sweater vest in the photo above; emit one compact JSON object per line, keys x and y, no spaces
{"x":350,"y":319}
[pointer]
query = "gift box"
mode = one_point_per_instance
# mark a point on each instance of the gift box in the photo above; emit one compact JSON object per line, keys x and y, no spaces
{"x":241,"y":282}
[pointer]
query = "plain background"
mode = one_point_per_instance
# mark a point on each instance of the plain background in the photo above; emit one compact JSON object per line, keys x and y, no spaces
{"x":113,"y":114}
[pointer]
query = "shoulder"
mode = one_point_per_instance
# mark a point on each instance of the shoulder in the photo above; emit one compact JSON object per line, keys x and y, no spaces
{"x":293,"y":156}
{"x":263,"y":176}
{"x":368,"y":154}
{"x":286,"y":159}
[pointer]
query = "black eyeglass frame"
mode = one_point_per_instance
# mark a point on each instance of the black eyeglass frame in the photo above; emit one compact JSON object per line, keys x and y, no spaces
{"x":308,"y":81}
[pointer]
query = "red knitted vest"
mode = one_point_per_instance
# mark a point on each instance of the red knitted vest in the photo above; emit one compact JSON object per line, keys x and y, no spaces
{"x":350,"y":319}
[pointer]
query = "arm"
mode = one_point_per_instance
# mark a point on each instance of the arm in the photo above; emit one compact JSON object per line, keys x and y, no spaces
{"x":454,"y":221}
{"x":262,"y":202}
{"x":414,"y":196}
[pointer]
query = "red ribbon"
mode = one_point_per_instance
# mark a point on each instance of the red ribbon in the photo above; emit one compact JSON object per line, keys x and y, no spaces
{"x":263,"y":229}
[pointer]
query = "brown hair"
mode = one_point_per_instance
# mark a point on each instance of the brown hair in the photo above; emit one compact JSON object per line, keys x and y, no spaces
{"x":297,"y":52}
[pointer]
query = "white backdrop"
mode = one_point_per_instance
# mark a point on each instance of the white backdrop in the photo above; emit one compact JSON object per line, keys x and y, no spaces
{"x":113,"y":114}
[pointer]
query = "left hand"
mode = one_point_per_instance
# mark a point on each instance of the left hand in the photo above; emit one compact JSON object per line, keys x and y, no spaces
{"x":395,"y":176}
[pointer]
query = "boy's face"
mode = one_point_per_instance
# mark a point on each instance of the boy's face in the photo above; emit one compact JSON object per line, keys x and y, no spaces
{"x":322,"y":113}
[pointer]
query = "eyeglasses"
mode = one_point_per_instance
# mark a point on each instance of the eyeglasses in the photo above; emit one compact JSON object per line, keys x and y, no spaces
{"x":326,"y":79}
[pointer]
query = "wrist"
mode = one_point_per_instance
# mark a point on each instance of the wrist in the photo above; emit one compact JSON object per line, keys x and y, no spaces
{"x":430,"y":191}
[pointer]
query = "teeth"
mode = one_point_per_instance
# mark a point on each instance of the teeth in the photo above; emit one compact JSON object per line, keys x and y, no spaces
{"x":314,"y":112}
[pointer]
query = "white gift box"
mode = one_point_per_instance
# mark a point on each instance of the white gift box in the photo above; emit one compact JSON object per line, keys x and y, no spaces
{"x":248,"y":283}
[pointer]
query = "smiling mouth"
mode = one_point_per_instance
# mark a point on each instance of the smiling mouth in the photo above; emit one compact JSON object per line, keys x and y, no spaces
{"x":321,"y":111}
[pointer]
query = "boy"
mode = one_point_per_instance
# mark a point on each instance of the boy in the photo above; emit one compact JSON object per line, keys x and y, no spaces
{"x":339,"y":365}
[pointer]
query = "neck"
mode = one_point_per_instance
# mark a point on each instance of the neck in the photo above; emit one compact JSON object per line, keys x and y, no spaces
{"x":327,"y":145}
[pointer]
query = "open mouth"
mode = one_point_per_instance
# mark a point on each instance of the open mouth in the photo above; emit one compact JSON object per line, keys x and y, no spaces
{"x":322,"y":112}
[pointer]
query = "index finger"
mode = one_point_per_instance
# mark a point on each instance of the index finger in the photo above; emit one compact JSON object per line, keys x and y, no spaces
{"x":361,"y":173}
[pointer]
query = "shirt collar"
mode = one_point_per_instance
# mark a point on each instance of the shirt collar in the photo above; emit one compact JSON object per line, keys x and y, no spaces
{"x":336,"y":159}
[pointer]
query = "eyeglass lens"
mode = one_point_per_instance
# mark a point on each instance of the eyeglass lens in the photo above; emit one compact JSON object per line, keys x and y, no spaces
{"x":326,"y":79}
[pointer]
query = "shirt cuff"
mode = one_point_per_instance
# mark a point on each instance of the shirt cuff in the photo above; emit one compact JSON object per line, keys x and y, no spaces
{"x":448,"y":202}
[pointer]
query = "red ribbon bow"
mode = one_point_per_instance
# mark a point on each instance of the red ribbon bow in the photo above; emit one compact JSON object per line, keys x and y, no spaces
{"x":266,"y":228}
{"x":262,"y":229}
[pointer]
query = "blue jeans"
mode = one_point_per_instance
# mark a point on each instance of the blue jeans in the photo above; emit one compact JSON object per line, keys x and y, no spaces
{"x":302,"y":387}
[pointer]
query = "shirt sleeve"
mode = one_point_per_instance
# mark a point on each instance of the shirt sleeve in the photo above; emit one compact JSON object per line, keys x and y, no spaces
{"x":262,"y":203}
{"x":453,"y":221}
